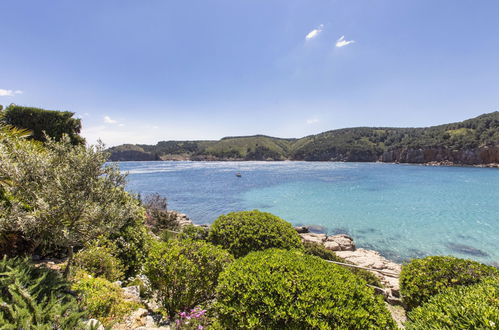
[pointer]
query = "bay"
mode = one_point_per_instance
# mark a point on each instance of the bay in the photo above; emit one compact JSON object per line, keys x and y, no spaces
{"x":402,"y":211}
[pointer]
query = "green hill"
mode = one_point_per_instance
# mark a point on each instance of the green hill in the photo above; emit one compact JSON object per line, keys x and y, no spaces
{"x":473,"y":141}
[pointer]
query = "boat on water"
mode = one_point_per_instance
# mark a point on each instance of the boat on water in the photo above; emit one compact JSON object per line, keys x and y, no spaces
{"x":238,"y":175}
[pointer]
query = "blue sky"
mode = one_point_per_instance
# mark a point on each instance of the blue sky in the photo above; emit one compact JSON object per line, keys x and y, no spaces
{"x":145,"y":71}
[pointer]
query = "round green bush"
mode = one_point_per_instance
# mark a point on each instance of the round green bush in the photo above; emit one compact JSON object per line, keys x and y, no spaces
{"x":99,"y":262}
{"x":463,"y":307}
{"x":279,"y":289}
{"x":184,"y":273}
{"x":423,"y":278}
{"x":247,"y":231}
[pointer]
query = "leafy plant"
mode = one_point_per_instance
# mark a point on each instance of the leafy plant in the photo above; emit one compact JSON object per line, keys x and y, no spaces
{"x":99,"y":261}
{"x":64,"y":195}
{"x":35,"y":298}
{"x":130,"y":244}
{"x":320,"y":251}
{"x":423,"y":278}
{"x":194,"y":232}
{"x":184,"y":273}
{"x":247,"y":231}
{"x":158,"y":218}
{"x":279,"y":289}
{"x":103,"y":300}
{"x":463,"y":307}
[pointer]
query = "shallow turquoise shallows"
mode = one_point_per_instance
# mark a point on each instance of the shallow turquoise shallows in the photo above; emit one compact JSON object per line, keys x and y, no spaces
{"x":403,"y":211}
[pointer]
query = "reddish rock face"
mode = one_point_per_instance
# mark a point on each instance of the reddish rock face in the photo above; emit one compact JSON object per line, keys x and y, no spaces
{"x":484,"y":155}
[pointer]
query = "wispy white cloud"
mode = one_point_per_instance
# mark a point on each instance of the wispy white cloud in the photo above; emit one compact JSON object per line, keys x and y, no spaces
{"x":9,"y":92}
{"x":108,"y":120}
{"x":312,"y":121}
{"x":341,"y":42}
{"x":315,"y":32}
{"x":121,"y":125}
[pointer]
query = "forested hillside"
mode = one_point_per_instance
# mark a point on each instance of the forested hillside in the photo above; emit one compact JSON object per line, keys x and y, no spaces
{"x":473,"y":141}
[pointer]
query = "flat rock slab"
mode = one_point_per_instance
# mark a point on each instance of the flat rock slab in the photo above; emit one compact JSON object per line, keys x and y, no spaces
{"x":313,"y":238}
{"x":339,"y":242}
{"x":373,"y":259}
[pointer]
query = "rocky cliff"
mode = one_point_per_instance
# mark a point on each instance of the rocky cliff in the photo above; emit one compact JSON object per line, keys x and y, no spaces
{"x":477,"y":156}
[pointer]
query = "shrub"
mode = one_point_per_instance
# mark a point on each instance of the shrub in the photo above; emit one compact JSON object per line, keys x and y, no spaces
{"x":99,"y":262}
{"x":279,"y":289}
{"x":103,"y":300}
{"x":35,"y":297}
{"x":62,"y":195}
{"x":463,"y":307}
{"x":158,"y":217}
{"x":184,"y":273}
{"x":320,"y":251}
{"x":247,"y":231}
{"x":131,"y":244}
{"x":194,"y":232}
{"x":423,"y":278}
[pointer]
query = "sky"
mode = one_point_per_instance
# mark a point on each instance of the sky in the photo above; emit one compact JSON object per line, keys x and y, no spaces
{"x":152,"y":70}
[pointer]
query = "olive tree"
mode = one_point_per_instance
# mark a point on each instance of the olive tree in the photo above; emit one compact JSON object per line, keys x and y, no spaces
{"x":62,"y":194}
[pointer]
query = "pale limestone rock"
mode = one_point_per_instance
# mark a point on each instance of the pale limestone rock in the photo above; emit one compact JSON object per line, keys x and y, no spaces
{"x":314,"y":238}
{"x":132,"y":293}
{"x":332,"y":245}
{"x":373,"y":259}
{"x":342,"y":243}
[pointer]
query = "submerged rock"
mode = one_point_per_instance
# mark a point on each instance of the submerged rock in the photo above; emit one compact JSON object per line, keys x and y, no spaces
{"x":466,"y":249}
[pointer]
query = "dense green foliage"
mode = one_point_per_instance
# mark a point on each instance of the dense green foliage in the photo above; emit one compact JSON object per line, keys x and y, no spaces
{"x":320,"y":251}
{"x":279,"y":289}
{"x":103,"y":300}
{"x":194,"y":233}
{"x":35,"y":298}
{"x":54,"y":123}
{"x":58,"y":195}
{"x":129,"y":244}
{"x":99,"y":261}
{"x":349,"y":144}
{"x":184,"y":273}
{"x":462,"y":307}
{"x":423,"y":278}
{"x":247,"y":231}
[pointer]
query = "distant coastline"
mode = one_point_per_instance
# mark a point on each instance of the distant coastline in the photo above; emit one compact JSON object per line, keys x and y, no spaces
{"x":473,"y":142}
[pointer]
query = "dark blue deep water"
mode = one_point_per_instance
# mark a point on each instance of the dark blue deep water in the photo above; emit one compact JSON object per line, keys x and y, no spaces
{"x":403,"y":211}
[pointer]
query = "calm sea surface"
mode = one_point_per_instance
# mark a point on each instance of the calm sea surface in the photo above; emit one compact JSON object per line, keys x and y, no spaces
{"x":403,"y":211}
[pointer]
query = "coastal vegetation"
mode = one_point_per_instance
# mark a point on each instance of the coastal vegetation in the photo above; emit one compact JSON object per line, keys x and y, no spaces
{"x":278,"y":289}
{"x":44,"y":123}
{"x":423,"y":278}
{"x":464,"y":307}
{"x":79,"y":251}
{"x":473,"y":141}
{"x":247,"y":231}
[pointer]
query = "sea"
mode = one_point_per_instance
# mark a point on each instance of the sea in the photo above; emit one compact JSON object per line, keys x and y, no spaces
{"x":402,"y":211}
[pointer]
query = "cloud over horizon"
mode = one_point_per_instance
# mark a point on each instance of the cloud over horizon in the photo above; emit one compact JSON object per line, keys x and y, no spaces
{"x":341,"y":42}
{"x":9,"y":92}
{"x":108,"y":120}
{"x":315,"y":32}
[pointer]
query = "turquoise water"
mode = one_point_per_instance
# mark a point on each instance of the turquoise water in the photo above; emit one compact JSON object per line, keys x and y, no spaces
{"x":403,"y":211}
